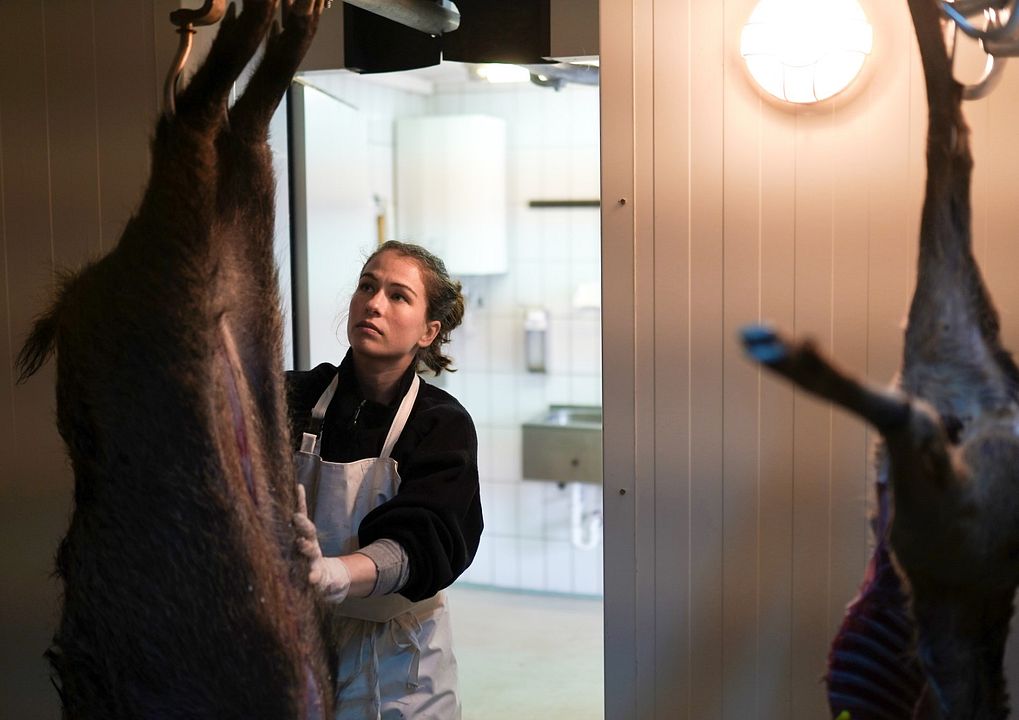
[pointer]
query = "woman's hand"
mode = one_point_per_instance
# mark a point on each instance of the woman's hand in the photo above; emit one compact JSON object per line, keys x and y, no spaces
{"x":329,"y":575}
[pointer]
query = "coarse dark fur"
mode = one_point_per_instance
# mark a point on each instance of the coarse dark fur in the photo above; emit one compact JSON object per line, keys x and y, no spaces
{"x":183,"y":594}
{"x":950,"y":430}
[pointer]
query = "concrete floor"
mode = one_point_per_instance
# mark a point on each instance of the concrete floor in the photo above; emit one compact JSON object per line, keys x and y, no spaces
{"x":525,"y":655}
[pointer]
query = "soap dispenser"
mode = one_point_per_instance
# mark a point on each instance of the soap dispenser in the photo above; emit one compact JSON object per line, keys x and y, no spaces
{"x":535,"y":339}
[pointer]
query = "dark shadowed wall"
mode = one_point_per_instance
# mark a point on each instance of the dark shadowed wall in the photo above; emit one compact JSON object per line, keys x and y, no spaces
{"x":80,"y":83}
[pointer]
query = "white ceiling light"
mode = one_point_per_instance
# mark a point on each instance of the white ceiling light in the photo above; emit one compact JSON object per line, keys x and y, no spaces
{"x":503,"y":73}
{"x":805,"y":51}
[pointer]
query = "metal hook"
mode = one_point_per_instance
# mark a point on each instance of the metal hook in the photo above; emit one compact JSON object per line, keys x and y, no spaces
{"x":209,"y":13}
{"x":997,"y":39}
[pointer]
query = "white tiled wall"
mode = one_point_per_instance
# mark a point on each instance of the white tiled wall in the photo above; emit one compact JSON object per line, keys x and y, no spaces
{"x":552,"y":155}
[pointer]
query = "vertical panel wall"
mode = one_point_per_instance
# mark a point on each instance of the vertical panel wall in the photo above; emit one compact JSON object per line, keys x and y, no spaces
{"x":79,"y":91}
{"x":735,"y":507}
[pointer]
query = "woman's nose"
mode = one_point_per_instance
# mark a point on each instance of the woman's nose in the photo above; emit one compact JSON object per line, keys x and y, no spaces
{"x":374,"y":302}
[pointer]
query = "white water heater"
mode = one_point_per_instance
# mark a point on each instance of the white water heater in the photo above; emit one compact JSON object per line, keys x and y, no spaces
{"x":451,"y":189}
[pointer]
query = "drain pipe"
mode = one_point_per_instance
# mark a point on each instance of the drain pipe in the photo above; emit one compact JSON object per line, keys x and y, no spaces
{"x":585,"y":527}
{"x":434,"y":17}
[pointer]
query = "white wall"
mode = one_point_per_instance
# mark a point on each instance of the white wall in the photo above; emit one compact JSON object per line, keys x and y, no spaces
{"x":552,"y":154}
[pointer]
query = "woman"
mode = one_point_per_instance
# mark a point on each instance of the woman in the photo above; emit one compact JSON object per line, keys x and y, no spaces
{"x":389,"y":467}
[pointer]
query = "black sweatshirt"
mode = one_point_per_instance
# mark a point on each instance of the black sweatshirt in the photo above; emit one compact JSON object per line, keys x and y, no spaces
{"x":436,"y":514}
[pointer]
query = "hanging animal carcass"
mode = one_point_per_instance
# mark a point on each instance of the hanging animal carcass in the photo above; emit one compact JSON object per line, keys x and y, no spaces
{"x":183,"y":594}
{"x":946,"y":564}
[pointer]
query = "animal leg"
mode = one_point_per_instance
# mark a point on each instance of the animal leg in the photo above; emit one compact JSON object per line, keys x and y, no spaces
{"x":952,"y":337}
{"x":250,"y":115}
{"x":204,"y":97}
{"x":800,"y":362}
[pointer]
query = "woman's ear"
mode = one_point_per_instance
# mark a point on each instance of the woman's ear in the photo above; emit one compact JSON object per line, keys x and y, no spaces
{"x":432,"y":328}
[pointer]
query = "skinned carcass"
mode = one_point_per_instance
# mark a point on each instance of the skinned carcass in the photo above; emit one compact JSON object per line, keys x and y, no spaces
{"x":183,"y":594}
{"x":926,"y":636}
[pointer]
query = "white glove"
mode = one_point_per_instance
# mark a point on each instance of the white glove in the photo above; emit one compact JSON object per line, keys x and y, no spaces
{"x":329,"y":575}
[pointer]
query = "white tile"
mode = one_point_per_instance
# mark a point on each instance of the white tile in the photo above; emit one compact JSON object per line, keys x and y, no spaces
{"x":486,"y":452}
{"x":531,"y":508}
{"x":558,"y":344}
{"x":557,"y":286}
{"x":528,"y":284}
{"x":528,"y":165}
{"x":585,"y":345}
{"x":500,"y":507}
{"x":557,"y":512}
{"x":475,"y":337}
{"x":529,"y":240}
{"x":506,"y":453}
{"x":502,"y":405}
{"x":559,"y":390}
{"x":452,"y":382}
{"x":532,"y":564}
{"x":587,"y":571}
{"x":506,"y":344}
{"x":501,"y":294}
{"x":559,"y":566}
{"x":507,"y":562}
{"x":530,"y":396}
{"x":585,"y":172}
{"x":586,"y":389}
{"x":476,"y":396}
{"x":482,"y":570}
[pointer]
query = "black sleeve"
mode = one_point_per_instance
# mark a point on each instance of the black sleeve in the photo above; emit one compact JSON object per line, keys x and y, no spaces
{"x":436,"y":514}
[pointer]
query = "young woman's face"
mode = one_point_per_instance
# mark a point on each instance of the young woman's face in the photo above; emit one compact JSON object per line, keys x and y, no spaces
{"x":388,"y":311}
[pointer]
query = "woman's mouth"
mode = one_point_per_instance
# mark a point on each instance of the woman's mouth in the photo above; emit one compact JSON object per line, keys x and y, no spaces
{"x":366,"y":325}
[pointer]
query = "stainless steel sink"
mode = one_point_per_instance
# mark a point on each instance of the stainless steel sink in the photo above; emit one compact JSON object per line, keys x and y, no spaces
{"x":564,"y":444}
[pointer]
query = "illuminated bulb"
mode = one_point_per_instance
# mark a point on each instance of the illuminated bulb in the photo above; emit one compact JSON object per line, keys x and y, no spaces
{"x":805,"y":51}
{"x":503,"y":73}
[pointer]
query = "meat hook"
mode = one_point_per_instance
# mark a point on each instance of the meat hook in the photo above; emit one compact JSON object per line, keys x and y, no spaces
{"x":210,"y":13}
{"x":999,"y":38}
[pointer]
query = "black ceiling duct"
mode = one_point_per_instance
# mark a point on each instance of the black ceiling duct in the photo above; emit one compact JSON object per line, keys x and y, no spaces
{"x":490,"y":31}
{"x":373,"y":44}
{"x":500,"y":31}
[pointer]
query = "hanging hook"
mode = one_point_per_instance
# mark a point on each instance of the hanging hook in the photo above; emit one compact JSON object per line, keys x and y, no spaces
{"x":999,"y":40}
{"x":209,"y":13}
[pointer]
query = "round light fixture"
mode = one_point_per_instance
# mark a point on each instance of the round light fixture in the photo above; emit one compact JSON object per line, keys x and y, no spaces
{"x":805,"y":51}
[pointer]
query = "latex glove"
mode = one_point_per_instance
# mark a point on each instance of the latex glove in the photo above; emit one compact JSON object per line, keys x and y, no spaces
{"x":329,"y":575}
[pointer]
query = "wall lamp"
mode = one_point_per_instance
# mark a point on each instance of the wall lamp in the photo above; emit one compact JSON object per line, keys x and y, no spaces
{"x":805,"y":51}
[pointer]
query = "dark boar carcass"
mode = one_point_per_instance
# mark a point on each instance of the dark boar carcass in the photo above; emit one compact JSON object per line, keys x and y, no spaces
{"x":926,"y":636}
{"x":183,"y":596}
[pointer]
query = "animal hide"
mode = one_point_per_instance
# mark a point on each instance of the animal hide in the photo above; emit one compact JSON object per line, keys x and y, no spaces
{"x":183,"y":594}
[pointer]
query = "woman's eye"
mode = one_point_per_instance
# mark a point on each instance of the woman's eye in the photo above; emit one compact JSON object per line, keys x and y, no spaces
{"x":398,"y":296}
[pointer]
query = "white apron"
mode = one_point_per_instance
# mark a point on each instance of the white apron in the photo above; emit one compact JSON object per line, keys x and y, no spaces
{"x":395,"y":657}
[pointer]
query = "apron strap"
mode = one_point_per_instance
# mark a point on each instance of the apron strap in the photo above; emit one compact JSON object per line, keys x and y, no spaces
{"x":318,"y":412}
{"x":402,"y":413}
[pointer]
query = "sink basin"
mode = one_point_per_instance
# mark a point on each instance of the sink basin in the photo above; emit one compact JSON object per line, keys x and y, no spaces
{"x":564,"y":444}
{"x":570,"y":415}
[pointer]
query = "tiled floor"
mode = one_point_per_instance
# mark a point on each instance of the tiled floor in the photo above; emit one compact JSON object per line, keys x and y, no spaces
{"x":527,"y":656}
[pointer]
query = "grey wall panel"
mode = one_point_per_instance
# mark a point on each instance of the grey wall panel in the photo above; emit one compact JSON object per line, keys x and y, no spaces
{"x":76,"y":103}
{"x":673,"y":562}
{"x":126,"y":89}
{"x":775,"y":402}
{"x":705,"y":224}
{"x":74,"y":153}
{"x":617,"y":151}
{"x":27,"y":598}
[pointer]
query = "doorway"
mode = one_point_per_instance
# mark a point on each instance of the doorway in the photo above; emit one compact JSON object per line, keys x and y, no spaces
{"x":528,"y":613}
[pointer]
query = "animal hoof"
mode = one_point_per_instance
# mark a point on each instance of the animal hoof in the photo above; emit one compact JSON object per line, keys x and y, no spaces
{"x":763,"y":344}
